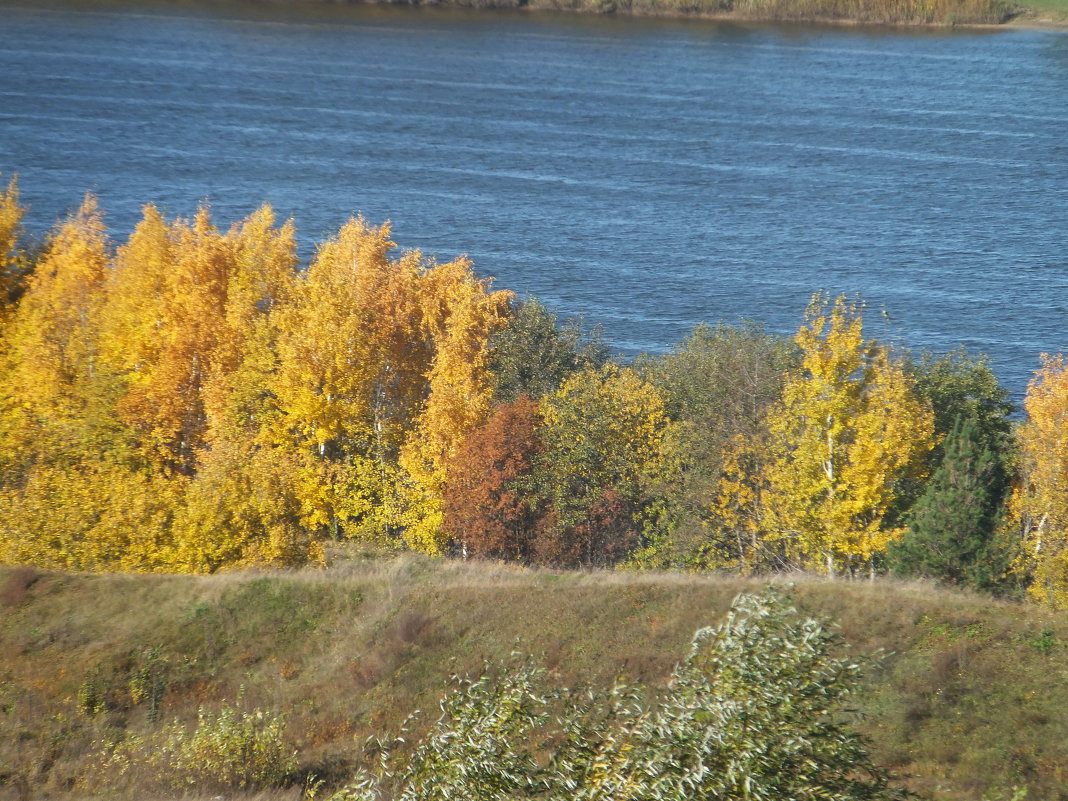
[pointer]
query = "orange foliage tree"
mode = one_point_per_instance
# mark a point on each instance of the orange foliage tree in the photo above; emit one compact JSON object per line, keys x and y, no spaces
{"x":488,"y":506}
{"x":185,"y":305}
{"x":382,"y":372}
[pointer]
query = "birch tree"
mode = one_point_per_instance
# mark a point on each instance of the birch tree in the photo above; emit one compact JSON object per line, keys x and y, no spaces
{"x":848,"y":428}
{"x":1039,"y":503}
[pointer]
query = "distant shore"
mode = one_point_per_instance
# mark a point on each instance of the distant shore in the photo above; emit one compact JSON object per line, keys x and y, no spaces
{"x":997,"y":14}
{"x":979,"y":14}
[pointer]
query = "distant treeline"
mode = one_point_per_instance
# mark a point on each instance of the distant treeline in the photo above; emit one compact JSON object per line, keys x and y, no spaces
{"x":884,"y":12}
{"x":193,"y":400}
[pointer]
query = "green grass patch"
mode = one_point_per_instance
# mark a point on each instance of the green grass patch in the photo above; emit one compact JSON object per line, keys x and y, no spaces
{"x":961,"y":697}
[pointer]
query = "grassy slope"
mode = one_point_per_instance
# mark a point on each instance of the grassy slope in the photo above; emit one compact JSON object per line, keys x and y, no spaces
{"x":970,"y":702}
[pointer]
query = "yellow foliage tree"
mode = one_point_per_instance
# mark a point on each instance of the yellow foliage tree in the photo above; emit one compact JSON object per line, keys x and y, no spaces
{"x":261,"y":279}
{"x":351,"y":366}
{"x":381,"y":362}
{"x":241,"y":510}
{"x":165,"y":315}
{"x":187,"y":327}
{"x":54,"y":333}
{"x":1039,"y":504}
{"x":83,"y":499}
{"x":848,"y":428}
{"x":736,"y":526}
{"x":351,"y":375}
{"x":460,"y":314}
{"x":12,"y":259}
{"x":94,"y":515}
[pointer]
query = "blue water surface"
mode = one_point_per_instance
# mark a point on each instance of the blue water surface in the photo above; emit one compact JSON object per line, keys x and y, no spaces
{"x":648,"y":175}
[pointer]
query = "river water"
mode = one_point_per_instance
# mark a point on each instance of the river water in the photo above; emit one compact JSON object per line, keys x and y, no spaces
{"x":647,"y":175}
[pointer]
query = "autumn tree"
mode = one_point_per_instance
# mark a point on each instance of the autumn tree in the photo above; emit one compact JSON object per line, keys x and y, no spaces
{"x":604,"y":436}
{"x":261,"y":279}
{"x":164,"y":319}
{"x":53,"y":395}
{"x":82,"y":497}
{"x":848,"y":427}
{"x":349,"y":379}
{"x":54,"y":337}
{"x":460,"y":314}
{"x":1039,"y":504}
{"x":241,"y":509}
{"x":489,"y":509}
{"x":14,"y":262}
{"x":89,"y":514}
{"x":382,"y":372}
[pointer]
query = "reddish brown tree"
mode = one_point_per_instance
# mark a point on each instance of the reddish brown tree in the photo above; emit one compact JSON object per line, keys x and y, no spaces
{"x":602,"y":538}
{"x":487,"y":512}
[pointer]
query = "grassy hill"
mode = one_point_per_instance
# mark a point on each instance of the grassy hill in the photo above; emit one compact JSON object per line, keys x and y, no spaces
{"x":968,"y":701}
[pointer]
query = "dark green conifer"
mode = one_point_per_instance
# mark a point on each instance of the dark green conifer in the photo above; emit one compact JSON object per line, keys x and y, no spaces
{"x":952,"y":528}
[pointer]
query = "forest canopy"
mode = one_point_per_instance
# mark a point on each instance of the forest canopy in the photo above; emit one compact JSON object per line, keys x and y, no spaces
{"x":195,"y":399}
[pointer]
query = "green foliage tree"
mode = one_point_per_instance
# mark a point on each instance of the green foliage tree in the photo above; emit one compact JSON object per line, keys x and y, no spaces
{"x":960,"y":385}
{"x":481,"y":746}
{"x":533,"y":353}
{"x":718,"y":387}
{"x":951,"y":529}
{"x":758,"y":710}
{"x":603,"y":434}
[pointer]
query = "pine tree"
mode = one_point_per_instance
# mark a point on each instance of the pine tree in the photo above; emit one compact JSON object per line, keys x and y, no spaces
{"x":951,"y":528}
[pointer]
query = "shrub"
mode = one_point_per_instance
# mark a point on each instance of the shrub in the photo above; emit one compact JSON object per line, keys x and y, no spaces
{"x":755,"y":711}
{"x":227,"y":750}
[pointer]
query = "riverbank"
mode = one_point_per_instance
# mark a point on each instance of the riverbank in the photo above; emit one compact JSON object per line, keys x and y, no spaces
{"x":908,"y":13}
{"x":1052,"y":14}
